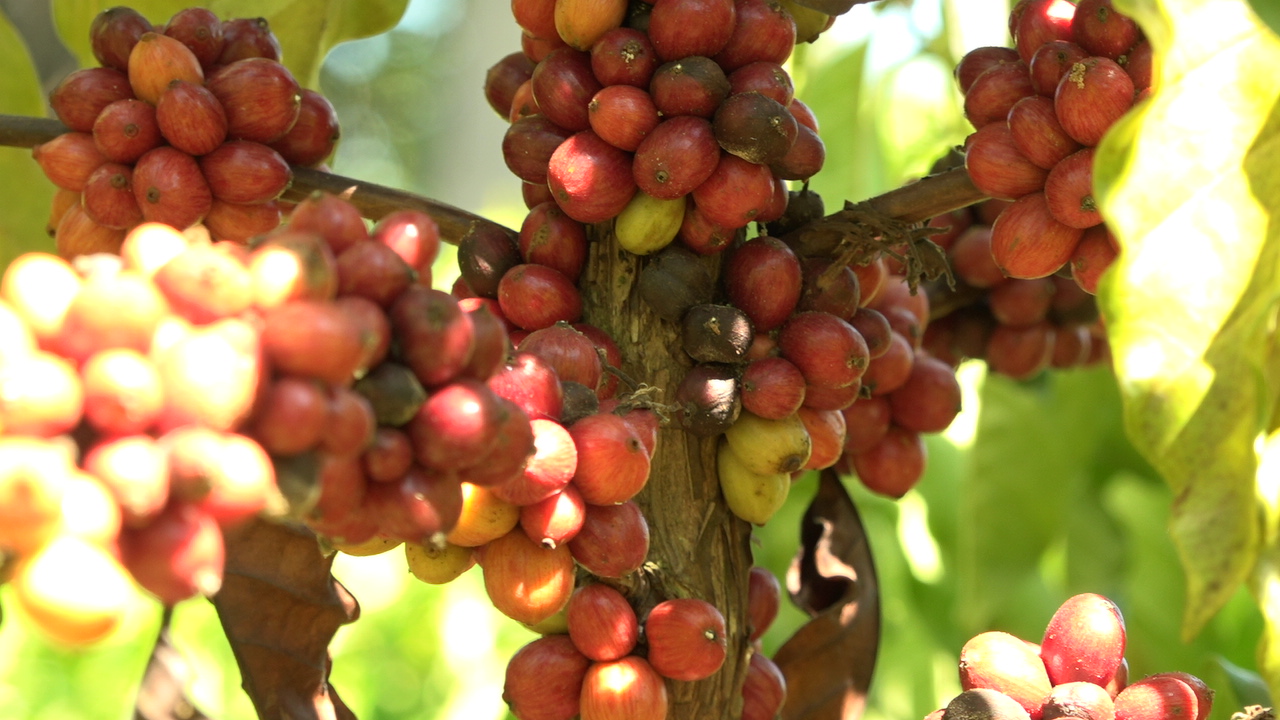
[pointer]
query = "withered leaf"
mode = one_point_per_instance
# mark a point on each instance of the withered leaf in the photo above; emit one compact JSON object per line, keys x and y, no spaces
{"x":828,"y":662}
{"x":831,"y":7}
{"x":280,"y":607}
{"x":163,"y":694}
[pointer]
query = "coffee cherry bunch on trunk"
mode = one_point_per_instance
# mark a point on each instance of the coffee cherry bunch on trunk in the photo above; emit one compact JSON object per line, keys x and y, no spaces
{"x":1040,"y":107}
{"x":194,"y":121}
{"x":1078,"y":670}
{"x":1020,"y":327}
{"x":676,"y":120}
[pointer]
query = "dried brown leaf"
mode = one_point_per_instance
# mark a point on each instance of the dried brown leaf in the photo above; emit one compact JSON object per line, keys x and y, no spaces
{"x":828,"y":662}
{"x":280,"y":607}
{"x":163,"y":694}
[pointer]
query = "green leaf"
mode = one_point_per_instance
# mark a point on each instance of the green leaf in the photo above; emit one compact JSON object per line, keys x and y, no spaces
{"x":306,"y":29}
{"x":1186,"y":182}
{"x":24,"y":188}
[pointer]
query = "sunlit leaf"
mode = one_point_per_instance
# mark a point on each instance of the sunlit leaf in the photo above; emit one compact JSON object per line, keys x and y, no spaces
{"x":1187,"y":182}
{"x":24,"y":188}
{"x":307,"y":29}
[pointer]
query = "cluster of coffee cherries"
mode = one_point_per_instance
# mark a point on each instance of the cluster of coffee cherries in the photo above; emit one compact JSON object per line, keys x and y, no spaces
{"x":1019,"y":327}
{"x":193,"y":121}
{"x":199,"y":383}
{"x":671,"y":119}
{"x":1077,"y":671}
{"x":1040,"y":108}
{"x":604,"y":662}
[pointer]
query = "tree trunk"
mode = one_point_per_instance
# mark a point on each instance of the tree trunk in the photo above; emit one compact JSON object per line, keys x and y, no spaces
{"x":698,"y":548}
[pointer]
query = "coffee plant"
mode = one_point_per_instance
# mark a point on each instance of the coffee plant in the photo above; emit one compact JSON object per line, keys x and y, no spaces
{"x":991,"y":324}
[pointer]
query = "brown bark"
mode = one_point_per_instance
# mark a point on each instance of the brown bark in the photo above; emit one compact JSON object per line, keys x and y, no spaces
{"x":698,"y":548}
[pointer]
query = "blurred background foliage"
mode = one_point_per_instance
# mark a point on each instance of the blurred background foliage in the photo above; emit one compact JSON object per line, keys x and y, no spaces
{"x":1031,"y":496}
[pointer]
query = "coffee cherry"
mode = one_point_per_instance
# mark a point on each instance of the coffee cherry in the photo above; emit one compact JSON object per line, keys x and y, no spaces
{"x":113,"y":34}
{"x":201,"y":31}
{"x":260,"y":96}
{"x":248,"y":38}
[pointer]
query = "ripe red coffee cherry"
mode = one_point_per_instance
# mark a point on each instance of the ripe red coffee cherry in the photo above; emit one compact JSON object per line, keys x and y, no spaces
{"x":82,"y":95}
{"x":613,"y":541}
{"x":826,"y":349}
{"x":602,"y":624}
{"x":170,"y":188}
{"x":680,"y":28}
{"x":1084,"y":640}
{"x":675,"y":157}
{"x":1093,"y":94}
{"x":1037,"y":134}
{"x":624,"y":56}
{"x":1098,"y":28}
{"x":930,"y":398}
{"x":590,"y":179}
{"x":1027,"y":242}
{"x":997,"y":167}
{"x":763,"y":600}
{"x":894,"y":465}
{"x":248,"y":38}
{"x":1042,"y":21}
{"x":525,"y":581}
{"x":979,"y":60}
{"x":547,"y":470}
{"x":436,"y":337}
{"x":125,"y":130}
{"x":1162,"y":696}
{"x":613,"y":464}
{"x":622,"y":116}
{"x":528,"y":146}
{"x":569,"y":352}
{"x":550,"y":237}
{"x":261,"y":98}
{"x":763,"y":278}
{"x":536,"y":296}
{"x":625,"y":688}
{"x":1000,"y":661}
{"x":1020,"y":352}
{"x":246,"y":172}
{"x":995,"y":91}
{"x":563,"y":85}
{"x":764,"y":690}
{"x":544,"y":679}
{"x":531,"y":383}
{"x":763,"y":31}
{"x":503,"y":80}
{"x":201,"y":31}
{"x":113,"y":34}
{"x":1094,"y":254}
{"x":108,"y":197}
{"x":866,"y":422}
{"x":177,"y":556}
{"x":1022,"y":302}
{"x":555,"y":520}
{"x":686,"y":638}
{"x":457,"y":426}
{"x":1051,"y":62}
{"x":313,"y":137}
{"x":735,"y":193}
{"x":1068,"y":191}
{"x":191,"y":118}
